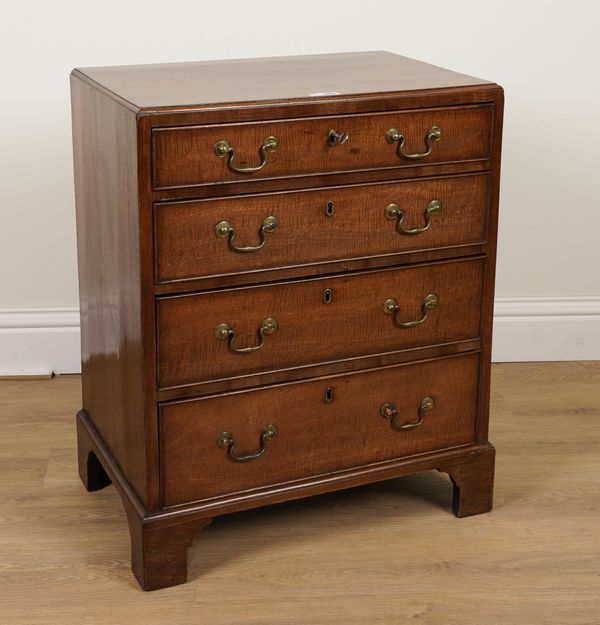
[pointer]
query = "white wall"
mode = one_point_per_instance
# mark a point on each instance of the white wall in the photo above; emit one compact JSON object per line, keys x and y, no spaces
{"x":545,"y":54}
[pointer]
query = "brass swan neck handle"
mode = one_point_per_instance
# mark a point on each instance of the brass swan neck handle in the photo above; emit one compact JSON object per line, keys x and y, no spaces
{"x":389,"y":411}
{"x":225,"y":229}
{"x":225,"y":332}
{"x":225,"y":440}
{"x":395,"y":136}
{"x":223,"y":149}
{"x":391,"y":307}
{"x":394,"y":213}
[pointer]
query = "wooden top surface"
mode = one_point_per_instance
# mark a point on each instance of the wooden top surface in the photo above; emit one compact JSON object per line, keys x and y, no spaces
{"x":275,"y":78}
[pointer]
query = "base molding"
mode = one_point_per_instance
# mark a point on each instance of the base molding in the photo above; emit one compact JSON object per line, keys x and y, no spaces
{"x":160,"y":539}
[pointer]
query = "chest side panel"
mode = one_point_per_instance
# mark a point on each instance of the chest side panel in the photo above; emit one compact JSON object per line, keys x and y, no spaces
{"x":105,"y":160}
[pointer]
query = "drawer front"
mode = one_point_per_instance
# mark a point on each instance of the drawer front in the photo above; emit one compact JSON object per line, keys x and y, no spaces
{"x":361,"y":419}
{"x":316,"y":226}
{"x":317,"y":320}
{"x":190,"y":155}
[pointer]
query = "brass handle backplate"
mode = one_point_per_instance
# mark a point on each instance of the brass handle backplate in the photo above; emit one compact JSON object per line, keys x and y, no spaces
{"x":222,"y":149}
{"x":389,"y":411}
{"x":395,"y":136}
{"x":390,"y":307}
{"x":394,"y":212}
{"x":225,"y":332}
{"x":225,"y":441}
{"x":225,"y":229}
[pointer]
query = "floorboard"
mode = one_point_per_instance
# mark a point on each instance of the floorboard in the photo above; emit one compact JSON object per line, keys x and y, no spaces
{"x":388,"y":554}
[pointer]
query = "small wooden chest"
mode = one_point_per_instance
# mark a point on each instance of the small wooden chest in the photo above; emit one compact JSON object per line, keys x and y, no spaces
{"x":286,"y":281}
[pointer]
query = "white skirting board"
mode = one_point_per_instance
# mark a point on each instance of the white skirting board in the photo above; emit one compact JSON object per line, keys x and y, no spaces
{"x":546,"y":328}
{"x":37,"y":341}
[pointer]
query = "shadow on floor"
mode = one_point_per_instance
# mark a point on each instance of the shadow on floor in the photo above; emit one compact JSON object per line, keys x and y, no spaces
{"x":363,"y":506}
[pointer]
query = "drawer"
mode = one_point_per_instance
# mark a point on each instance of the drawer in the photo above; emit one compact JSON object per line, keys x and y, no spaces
{"x":198,"y":155}
{"x":202,"y":336}
{"x":278,"y":230}
{"x":315,"y":427}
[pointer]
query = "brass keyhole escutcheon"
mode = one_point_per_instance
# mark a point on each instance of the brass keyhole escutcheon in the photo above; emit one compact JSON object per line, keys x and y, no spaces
{"x":337,"y":138}
{"x":329,"y":209}
{"x":327,"y":296}
{"x":328,"y":394}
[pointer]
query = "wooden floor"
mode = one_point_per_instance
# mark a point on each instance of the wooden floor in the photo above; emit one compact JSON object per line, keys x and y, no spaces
{"x":390,"y":553}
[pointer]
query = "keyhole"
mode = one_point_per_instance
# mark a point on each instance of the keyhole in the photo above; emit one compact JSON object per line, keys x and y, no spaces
{"x":327,"y":296}
{"x":329,"y":394}
{"x":329,"y":209}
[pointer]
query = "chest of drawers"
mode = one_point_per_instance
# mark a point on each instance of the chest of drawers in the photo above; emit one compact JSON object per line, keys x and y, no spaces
{"x":286,"y":284}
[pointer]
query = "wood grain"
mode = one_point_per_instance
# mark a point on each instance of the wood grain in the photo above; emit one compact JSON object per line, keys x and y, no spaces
{"x":377,"y":554}
{"x":326,"y":368}
{"x":487,"y":304}
{"x":275,"y":78}
{"x":353,"y":324}
{"x":144,"y":343}
{"x":109,"y":276}
{"x":315,"y":436}
{"x":184,"y":155}
{"x":357,"y":227}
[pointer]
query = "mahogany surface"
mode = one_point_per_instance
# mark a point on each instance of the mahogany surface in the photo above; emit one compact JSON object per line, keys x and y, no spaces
{"x":185,"y":156}
{"x":310,"y":440}
{"x":273,"y":78}
{"x":353,"y":324}
{"x":109,"y":276}
{"x":155,"y":280}
{"x":356,"y":228}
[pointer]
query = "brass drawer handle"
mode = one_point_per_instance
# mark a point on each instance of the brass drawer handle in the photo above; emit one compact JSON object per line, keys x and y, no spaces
{"x":225,"y":332}
{"x":394,"y":212}
{"x":225,"y":441}
{"x":433,"y":134}
{"x":389,"y":411}
{"x":222,"y":149}
{"x":225,"y":229}
{"x":390,"y":307}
